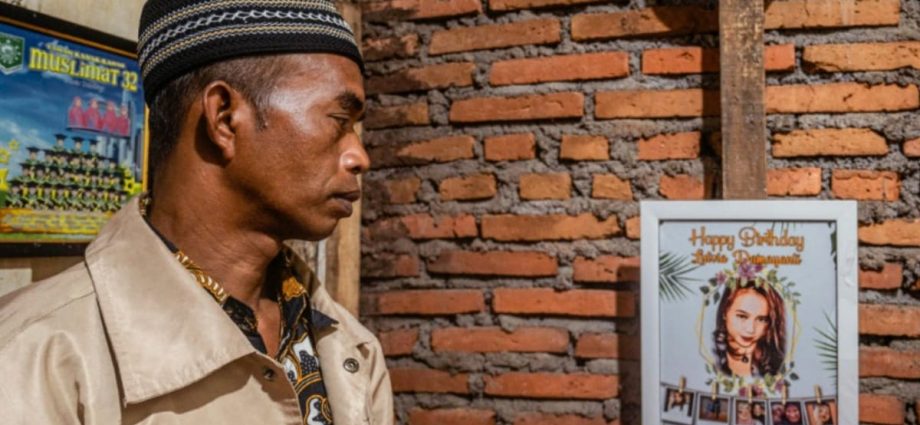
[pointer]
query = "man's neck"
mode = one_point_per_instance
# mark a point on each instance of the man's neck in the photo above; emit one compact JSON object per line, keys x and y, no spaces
{"x":228,"y":250}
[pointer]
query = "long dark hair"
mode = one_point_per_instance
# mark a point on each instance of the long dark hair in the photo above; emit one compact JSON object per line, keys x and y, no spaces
{"x":771,"y":348}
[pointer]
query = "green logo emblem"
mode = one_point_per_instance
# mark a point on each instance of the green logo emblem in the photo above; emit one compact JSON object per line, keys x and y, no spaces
{"x":12,"y":52}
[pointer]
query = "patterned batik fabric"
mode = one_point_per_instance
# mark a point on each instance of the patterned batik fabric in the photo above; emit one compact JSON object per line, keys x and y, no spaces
{"x":296,"y":351}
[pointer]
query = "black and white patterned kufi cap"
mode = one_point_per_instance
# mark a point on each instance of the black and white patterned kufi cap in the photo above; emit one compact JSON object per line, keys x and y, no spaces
{"x":178,"y":36}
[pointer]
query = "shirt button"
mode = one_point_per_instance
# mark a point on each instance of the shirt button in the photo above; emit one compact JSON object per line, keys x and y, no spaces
{"x":268,"y":374}
{"x":351,"y":365}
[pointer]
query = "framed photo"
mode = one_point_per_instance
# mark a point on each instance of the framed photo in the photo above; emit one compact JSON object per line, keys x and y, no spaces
{"x":72,"y":129}
{"x":750,"y":305}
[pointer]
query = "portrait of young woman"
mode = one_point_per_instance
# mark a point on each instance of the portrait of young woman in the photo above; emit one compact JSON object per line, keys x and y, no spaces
{"x":750,"y":336}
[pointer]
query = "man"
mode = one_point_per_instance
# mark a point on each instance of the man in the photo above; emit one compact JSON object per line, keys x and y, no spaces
{"x":187,"y":310}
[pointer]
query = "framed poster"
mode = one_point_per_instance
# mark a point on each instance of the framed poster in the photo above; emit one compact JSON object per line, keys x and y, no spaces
{"x":749,"y":312}
{"x":72,"y":129}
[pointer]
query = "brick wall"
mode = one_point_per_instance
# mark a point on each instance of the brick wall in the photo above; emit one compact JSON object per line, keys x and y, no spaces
{"x":513,"y":139}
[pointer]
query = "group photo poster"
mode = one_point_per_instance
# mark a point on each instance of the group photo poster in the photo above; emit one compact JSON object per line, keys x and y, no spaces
{"x":72,"y":128}
{"x":749,"y":312}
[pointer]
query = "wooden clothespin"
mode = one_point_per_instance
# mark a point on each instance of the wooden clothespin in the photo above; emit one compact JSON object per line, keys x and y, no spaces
{"x":818,"y":394}
{"x":682,"y":385}
{"x":715,"y":389}
{"x":751,"y":395}
{"x":785,"y":394}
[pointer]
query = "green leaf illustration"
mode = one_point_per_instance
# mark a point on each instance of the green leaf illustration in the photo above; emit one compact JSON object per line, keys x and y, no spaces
{"x":673,"y":276}
{"x":826,"y":345}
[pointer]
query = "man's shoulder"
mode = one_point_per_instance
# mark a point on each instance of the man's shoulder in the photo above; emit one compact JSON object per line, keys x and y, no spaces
{"x":62,"y":298}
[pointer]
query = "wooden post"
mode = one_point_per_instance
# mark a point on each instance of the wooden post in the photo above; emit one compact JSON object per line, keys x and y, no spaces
{"x":343,"y":248}
{"x":744,"y":164}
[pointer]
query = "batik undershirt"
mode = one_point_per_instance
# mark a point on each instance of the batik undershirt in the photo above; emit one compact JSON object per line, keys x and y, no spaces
{"x":296,"y":351}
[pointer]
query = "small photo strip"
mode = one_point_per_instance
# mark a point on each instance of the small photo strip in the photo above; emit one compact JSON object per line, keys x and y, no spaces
{"x":750,"y":412}
{"x":789,"y":413}
{"x":713,"y":410}
{"x":821,"y":413}
{"x":677,"y":406}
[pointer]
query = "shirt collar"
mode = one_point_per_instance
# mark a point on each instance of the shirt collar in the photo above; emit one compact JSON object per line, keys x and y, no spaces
{"x":164,"y":330}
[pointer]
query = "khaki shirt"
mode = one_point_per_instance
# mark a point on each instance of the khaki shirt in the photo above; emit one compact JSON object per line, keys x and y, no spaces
{"x":128,"y":336}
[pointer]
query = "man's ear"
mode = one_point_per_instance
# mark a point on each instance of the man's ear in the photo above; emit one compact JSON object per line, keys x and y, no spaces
{"x":225,"y":112}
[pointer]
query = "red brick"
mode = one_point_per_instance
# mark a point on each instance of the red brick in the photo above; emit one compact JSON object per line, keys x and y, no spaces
{"x":607,"y":346}
{"x":494,"y":263}
{"x":606,"y":269}
{"x":866,"y":185}
{"x":889,"y":320}
{"x":912,"y":148}
{"x":546,"y":186}
{"x":425,"y":226}
{"x":520,"y":108}
{"x":426,"y":78}
{"x":444,"y":149}
{"x":794,"y":182}
{"x":657,"y":103}
{"x":391,"y":47}
{"x":468,"y":188}
{"x":496,"y":340}
{"x":581,"y":386}
{"x":891,"y":232}
{"x":681,"y":187}
{"x":670,"y":146}
{"x":609,"y":186}
{"x":390,"y":10}
{"x":889,"y":277}
{"x":886,"y":362}
{"x":520,"y":33}
{"x":390,"y":266}
{"x":840,"y":97}
{"x":679,"y":20}
{"x":553,"y":419}
{"x":457,"y":416}
{"x":648,"y":21}
{"x":397,"y":116}
{"x":829,"y":142}
{"x":881,"y":409}
{"x":634,"y":228}
{"x":509,"y":227}
{"x":406,"y":380}
{"x":430,"y":302}
{"x":511,"y":147}
{"x":402,"y":191}
{"x":831,"y":13}
{"x":696,"y":60}
{"x":862,"y":56}
{"x":504,"y":5}
{"x":584,"y":148}
{"x":580,"y":67}
{"x":398,"y":342}
{"x":575,"y":302}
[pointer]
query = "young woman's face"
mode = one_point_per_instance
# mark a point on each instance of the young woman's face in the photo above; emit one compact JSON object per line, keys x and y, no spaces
{"x":823,"y":413}
{"x":758,"y":410}
{"x":793,"y":414}
{"x":746,"y":318}
{"x":744,"y":411}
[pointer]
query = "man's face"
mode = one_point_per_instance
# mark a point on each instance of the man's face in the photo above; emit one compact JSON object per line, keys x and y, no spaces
{"x":302,"y":168}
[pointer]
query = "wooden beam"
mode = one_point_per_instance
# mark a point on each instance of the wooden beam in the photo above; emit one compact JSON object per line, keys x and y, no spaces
{"x":744,"y":163}
{"x":343,"y":248}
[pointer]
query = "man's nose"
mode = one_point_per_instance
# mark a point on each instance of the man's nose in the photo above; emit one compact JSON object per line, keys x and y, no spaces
{"x":354,"y":158}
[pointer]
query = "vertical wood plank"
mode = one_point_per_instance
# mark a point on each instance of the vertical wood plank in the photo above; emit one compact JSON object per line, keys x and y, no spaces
{"x":744,"y":164}
{"x":343,"y":248}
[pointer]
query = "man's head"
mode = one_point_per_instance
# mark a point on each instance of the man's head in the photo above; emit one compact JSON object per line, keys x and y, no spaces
{"x":267,"y":103}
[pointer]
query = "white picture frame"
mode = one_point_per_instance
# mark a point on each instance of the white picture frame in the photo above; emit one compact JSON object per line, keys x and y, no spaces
{"x":667,"y":220}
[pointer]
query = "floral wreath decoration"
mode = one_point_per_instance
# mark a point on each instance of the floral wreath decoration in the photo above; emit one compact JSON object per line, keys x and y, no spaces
{"x":742,"y":275}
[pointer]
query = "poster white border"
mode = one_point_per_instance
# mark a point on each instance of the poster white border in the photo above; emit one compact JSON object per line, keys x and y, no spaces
{"x":844,"y":213}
